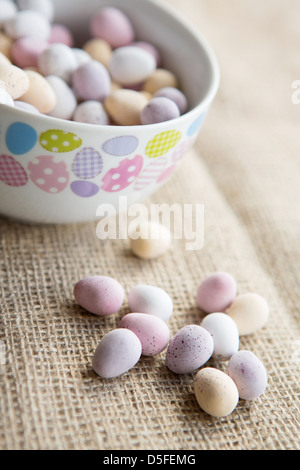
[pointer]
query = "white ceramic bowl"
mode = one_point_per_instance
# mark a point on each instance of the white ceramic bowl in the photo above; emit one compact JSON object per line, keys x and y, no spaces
{"x":43,"y":178}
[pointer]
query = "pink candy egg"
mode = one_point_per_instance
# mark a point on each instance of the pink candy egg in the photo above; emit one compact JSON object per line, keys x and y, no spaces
{"x":100,"y":295}
{"x":113,"y":25}
{"x":91,"y":81}
{"x":25,"y":51}
{"x":118,"y":351}
{"x":190,"y":348}
{"x":152,"y":331}
{"x":61,"y":34}
{"x":216,"y":292}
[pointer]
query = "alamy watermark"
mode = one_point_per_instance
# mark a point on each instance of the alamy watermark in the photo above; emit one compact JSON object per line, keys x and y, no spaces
{"x":185,"y":222}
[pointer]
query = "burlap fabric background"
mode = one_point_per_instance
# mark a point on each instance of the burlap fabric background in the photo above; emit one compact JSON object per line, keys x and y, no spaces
{"x":245,"y":170}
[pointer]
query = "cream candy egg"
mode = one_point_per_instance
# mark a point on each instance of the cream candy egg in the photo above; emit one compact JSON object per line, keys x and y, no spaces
{"x":125,"y":106}
{"x":5,"y":47}
{"x":28,"y":23}
{"x":248,"y":373}
{"x":65,"y":98}
{"x":216,"y":292}
{"x":100,"y":295}
{"x":15,"y":79}
{"x":91,"y":81}
{"x":149,"y":239}
{"x":152,"y":331}
{"x":118,"y":351}
{"x":160,"y":78}
{"x":151,"y":300}
{"x":224,"y":333}
{"x":40,"y":94}
{"x":189,"y":349}
{"x":250,"y":312}
{"x":91,"y":112}
{"x":98,"y":49}
{"x":216,"y":392}
{"x":58,"y":59}
{"x":131,"y":65}
{"x":113,"y":25}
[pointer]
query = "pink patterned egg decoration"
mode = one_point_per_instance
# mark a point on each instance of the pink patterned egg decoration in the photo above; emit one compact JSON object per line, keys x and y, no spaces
{"x":11,"y":172}
{"x":49,"y":174}
{"x":125,"y":174}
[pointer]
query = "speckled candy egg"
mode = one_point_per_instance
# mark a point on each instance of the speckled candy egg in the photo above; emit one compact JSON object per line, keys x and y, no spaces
{"x":175,"y":95}
{"x":152,"y":332}
{"x":248,"y":373}
{"x":216,"y":392}
{"x":91,"y":112}
{"x":15,"y":79}
{"x":58,"y":59}
{"x":250,"y":312}
{"x":118,"y":351}
{"x":131,"y":65}
{"x":190,"y":348}
{"x":216,"y":292}
{"x":159,"y":109}
{"x":224,"y":333}
{"x":151,"y":300}
{"x":91,"y":81}
{"x":113,"y":25}
{"x":100,"y":295}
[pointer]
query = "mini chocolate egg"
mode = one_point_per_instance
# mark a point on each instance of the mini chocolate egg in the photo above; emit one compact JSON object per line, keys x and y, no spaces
{"x":118,"y":351}
{"x":98,"y":49}
{"x":149,"y":48}
{"x":28,"y":23}
{"x":49,"y":174}
{"x":248,"y":373}
{"x":25,"y":51}
{"x":59,"y":141}
{"x":189,"y":349}
{"x":160,"y":78}
{"x":15,"y":79}
{"x":149,"y":239}
{"x":125,"y":106}
{"x":44,"y":7}
{"x":91,"y":112}
{"x":60,"y":34}
{"x":175,"y":95}
{"x":216,"y":292}
{"x":100,"y":295}
{"x":131,"y":65}
{"x":87,"y":164}
{"x":159,"y":109}
{"x":250,"y":312}
{"x":152,"y":331}
{"x":151,"y":300}
{"x":224,"y":333}
{"x":5,"y":49}
{"x":113,"y":25}
{"x":58,"y":59}
{"x":5,"y":97}
{"x":11,"y":172}
{"x":40,"y":93}
{"x":65,"y":98}
{"x":216,"y":392}
{"x":26,"y":107}
{"x":8,"y":11}
{"x":91,"y":81}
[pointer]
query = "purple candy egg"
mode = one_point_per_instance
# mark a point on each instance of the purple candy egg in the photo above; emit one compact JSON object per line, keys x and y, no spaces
{"x":175,"y":95}
{"x":91,"y":81}
{"x":159,"y":110}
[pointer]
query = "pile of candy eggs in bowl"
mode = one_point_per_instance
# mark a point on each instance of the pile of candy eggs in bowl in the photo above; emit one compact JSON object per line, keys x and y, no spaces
{"x":96,"y":102}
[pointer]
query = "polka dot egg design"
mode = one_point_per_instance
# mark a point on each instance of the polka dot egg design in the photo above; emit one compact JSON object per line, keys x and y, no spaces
{"x":58,"y":141}
{"x":50,"y":174}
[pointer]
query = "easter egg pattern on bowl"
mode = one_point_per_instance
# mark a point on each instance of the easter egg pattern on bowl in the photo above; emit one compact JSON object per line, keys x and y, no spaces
{"x":151,"y":20}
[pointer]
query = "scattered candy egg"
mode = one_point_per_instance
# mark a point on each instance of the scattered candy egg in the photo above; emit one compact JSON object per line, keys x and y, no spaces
{"x":117,"y":179}
{"x":84,"y":188}
{"x":130,"y":65}
{"x":26,"y":107}
{"x":120,"y":146}
{"x":11,"y":172}
{"x":65,"y":98}
{"x":118,"y":351}
{"x":250,"y":312}
{"x":15,"y":79}
{"x":88,"y":163}
{"x":224,"y":333}
{"x":113,"y":25}
{"x":100,"y":295}
{"x":58,"y":59}
{"x":91,"y":81}
{"x":216,"y":292}
{"x":5,"y":98}
{"x":160,"y":78}
{"x":98,"y":49}
{"x":28,"y":23}
{"x":39,"y":94}
{"x":248,"y":373}
{"x":149,"y":239}
{"x":26,"y":50}
{"x":159,"y":109}
{"x":59,"y":141}
{"x":125,"y":106}
{"x":61,"y":34}
{"x":152,"y":332}
{"x":49,"y":174}
{"x":175,"y":95}
{"x":91,"y":112}
{"x":189,"y":349}
{"x":151,"y":300}
{"x":8,"y":11}
{"x":44,"y":7}
{"x":216,"y":392}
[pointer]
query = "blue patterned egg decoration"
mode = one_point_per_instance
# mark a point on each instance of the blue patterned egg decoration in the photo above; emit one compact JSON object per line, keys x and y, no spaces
{"x":120,"y":146}
{"x":87,"y":164}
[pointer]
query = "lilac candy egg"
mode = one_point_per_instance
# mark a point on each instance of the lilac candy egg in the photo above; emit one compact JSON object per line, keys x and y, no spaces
{"x":131,"y":65}
{"x":117,"y":352}
{"x":152,"y":332}
{"x":159,"y":110}
{"x":190,"y":348}
{"x":112,"y":25}
{"x":152,"y":300}
{"x":91,"y":81}
{"x":91,"y":112}
{"x":175,"y":95}
{"x":100,"y":295}
{"x":225,"y":334}
{"x":216,"y":292}
{"x":248,"y":373}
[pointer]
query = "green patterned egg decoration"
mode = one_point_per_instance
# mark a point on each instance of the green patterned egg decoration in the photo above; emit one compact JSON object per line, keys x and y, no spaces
{"x":59,"y":141}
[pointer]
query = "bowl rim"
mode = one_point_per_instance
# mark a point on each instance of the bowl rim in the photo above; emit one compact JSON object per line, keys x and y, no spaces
{"x":199,"y":109}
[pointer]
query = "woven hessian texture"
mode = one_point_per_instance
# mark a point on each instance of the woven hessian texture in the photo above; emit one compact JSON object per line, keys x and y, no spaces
{"x":245,"y":170}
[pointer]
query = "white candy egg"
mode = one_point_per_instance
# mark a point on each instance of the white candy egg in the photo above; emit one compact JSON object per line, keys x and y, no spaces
{"x":224,"y":333}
